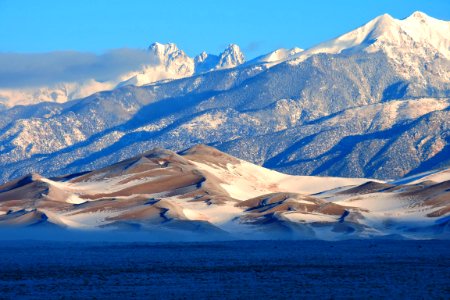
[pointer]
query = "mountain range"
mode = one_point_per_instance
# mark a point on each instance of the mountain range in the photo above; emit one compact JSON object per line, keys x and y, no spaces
{"x":372,"y":103}
{"x":204,"y":193}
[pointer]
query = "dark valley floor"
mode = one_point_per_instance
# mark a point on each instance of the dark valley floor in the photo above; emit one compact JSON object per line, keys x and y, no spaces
{"x":236,"y":270}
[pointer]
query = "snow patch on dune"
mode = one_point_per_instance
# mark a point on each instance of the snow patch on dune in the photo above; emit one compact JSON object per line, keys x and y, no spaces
{"x":245,"y":180}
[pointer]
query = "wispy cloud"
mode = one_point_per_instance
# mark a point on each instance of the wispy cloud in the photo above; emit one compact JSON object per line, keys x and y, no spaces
{"x":27,"y":70}
{"x":253,"y":46}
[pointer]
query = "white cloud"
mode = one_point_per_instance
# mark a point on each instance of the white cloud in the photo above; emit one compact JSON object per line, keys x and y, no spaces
{"x":19,"y":70}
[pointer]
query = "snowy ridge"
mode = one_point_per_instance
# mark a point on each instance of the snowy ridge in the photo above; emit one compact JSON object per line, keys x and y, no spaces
{"x":408,"y":43}
{"x":276,"y":57}
{"x":418,"y":32}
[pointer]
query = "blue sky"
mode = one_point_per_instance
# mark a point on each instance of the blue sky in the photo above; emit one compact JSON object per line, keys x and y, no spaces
{"x":257,"y":26}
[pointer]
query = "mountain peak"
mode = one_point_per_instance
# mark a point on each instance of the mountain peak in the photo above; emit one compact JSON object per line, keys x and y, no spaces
{"x":205,"y":62}
{"x":163,"y":49}
{"x":384,"y":25}
{"x":392,"y":36}
{"x":231,"y":57}
{"x":201,"y":57}
{"x":384,"y":17}
{"x":418,"y":15}
{"x":174,"y":60}
{"x":233,"y":47}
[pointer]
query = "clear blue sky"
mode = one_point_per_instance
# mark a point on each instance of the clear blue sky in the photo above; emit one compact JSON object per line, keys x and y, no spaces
{"x":257,"y":26}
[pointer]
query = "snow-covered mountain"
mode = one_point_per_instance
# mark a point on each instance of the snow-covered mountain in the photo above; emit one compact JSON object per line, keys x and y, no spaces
{"x":418,"y":32}
{"x":207,"y":193}
{"x":165,"y":62}
{"x":406,"y":43}
{"x":351,"y":112}
{"x":231,"y":57}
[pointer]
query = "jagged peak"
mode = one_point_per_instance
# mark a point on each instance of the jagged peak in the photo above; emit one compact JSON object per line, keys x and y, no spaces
{"x":163,"y":48}
{"x":166,"y":52}
{"x":201,"y":57}
{"x":233,"y":50}
{"x":175,"y":61}
{"x":232,"y":56}
{"x":233,"y":47}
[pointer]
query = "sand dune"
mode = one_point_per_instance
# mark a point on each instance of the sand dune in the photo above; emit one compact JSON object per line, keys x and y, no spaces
{"x":204,"y":191}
